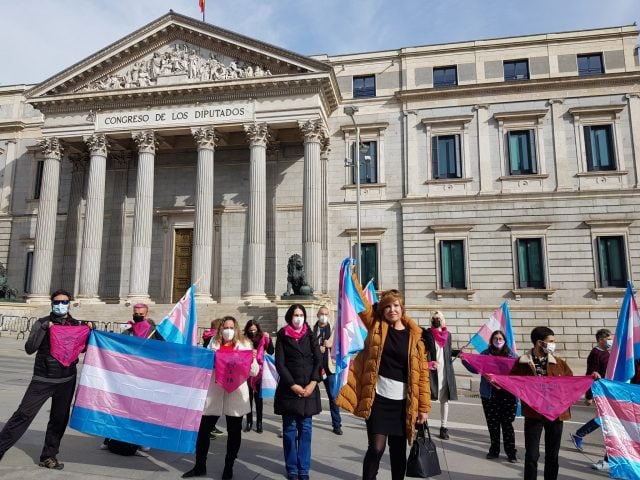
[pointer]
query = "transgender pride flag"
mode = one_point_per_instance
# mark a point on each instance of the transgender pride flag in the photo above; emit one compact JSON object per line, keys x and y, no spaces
{"x":370,"y":292}
{"x":270,"y":377}
{"x":499,"y":320}
{"x":350,"y":332}
{"x":626,"y":344}
{"x":142,"y":391}
{"x":181,"y":325}
{"x":619,"y":410}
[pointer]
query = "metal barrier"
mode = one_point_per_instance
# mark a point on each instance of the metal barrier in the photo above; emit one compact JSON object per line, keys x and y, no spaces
{"x":16,"y":324}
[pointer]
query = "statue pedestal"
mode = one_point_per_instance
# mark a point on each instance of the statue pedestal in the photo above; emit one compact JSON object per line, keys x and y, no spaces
{"x":310,"y":303}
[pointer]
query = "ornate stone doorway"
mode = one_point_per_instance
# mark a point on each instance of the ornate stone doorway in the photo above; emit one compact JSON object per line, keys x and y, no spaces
{"x":182,"y":262}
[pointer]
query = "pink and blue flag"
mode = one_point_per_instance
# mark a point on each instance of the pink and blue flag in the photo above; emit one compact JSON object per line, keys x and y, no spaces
{"x":270,"y":377}
{"x":350,"y":332}
{"x":142,"y":391}
{"x":370,"y":292}
{"x":498,"y":320}
{"x":181,"y":325}
{"x":618,"y":406}
{"x":626,"y":343}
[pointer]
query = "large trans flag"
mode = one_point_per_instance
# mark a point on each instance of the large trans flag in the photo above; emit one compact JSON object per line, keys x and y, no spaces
{"x":350,"y":333}
{"x":500,"y":319}
{"x":181,"y":325}
{"x":626,"y":344}
{"x":142,"y":391}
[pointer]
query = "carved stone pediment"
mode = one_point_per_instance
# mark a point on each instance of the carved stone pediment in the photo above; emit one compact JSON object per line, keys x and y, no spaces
{"x":176,"y":50}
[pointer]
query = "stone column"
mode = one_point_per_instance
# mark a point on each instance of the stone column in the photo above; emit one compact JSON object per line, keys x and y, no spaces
{"x":142,"y":218}
{"x":484,"y":153}
{"x":563,"y":180}
{"x":72,"y":241}
{"x":203,"y":217}
{"x":314,"y":135}
{"x":634,"y":118}
{"x":258,"y":136}
{"x":7,"y":177}
{"x":93,"y":218}
{"x":46,"y":222}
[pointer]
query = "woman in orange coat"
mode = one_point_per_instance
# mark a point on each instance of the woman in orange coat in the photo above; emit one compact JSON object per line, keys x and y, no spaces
{"x":388,"y":383}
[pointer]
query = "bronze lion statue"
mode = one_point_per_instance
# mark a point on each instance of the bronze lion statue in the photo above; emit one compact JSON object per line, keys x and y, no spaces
{"x":296,"y":281}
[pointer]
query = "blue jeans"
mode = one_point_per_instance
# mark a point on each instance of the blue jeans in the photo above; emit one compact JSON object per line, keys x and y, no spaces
{"x":296,"y":440}
{"x":336,"y":421}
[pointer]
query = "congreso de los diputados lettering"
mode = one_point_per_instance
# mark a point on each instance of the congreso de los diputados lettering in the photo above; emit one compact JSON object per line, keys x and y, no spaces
{"x":489,"y":170}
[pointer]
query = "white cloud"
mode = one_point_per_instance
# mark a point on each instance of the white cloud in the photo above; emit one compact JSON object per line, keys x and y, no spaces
{"x":40,"y":38}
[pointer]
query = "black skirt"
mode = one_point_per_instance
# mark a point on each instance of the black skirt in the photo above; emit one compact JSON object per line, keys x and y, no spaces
{"x":387,"y":417}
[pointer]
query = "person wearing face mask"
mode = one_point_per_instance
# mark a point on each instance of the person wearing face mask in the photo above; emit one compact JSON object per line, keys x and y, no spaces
{"x":297,"y":398}
{"x":442,"y":377}
{"x":141,"y":325}
{"x":499,"y":406}
{"x":51,"y":379}
{"x":541,"y":361}
{"x":388,"y":382}
{"x":261,"y":343}
{"x":323,"y":333}
{"x":234,"y":405}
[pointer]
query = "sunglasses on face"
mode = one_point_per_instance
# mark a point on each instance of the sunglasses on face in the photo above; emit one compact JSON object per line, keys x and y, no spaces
{"x":60,"y":302}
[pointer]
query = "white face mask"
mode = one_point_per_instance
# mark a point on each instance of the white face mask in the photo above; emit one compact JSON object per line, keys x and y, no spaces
{"x":609,"y":343}
{"x":550,"y":348}
{"x":323,"y":319}
{"x":228,"y":334}
{"x":297,"y":321}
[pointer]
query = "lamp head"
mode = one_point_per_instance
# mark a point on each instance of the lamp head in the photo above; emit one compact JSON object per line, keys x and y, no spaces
{"x":350,"y":110}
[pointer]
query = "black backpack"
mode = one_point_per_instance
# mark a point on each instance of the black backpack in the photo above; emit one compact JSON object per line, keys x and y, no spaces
{"x":121,"y":448}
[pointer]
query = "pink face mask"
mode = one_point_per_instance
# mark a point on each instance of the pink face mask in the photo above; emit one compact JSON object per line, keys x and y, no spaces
{"x":498,"y":343}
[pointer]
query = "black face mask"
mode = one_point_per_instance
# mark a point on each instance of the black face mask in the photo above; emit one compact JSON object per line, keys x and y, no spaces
{"x":435,"y":323}
{"x":137,"y":317}
{"x":251,"y":334}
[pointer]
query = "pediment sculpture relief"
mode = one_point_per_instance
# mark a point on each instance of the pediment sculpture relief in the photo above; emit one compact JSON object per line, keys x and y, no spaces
{"x":180,"y":63}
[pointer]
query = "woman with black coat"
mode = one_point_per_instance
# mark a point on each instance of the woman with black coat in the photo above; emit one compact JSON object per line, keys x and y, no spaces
{"x":297,"y":399}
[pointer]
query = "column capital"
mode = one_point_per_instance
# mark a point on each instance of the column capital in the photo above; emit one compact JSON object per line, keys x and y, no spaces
{"x":313,"y":130}
{"x":325,"y":147}
{"x":51,"y":148}
{"x":206,"y":137}
{"x":146,"y":141}
{"x":98,"y":144}
{"x":258,"y":134}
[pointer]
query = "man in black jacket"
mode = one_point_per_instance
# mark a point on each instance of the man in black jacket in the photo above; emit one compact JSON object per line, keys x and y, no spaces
{"x":51,"y":379}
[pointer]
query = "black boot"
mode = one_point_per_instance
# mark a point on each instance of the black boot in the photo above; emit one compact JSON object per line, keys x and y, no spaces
{"x":249,"y":424}
{"x":259,"y":426}
{"x":227,"y":473}
{"x":196,"y":472}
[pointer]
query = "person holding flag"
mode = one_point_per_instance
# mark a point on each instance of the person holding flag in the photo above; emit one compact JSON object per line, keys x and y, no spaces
{"x":388,"y":383}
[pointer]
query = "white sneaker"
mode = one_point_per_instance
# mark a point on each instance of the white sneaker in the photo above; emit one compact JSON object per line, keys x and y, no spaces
{"x":145,"y":449}
{"x":104,"y":446}
{"x":601,"y":465}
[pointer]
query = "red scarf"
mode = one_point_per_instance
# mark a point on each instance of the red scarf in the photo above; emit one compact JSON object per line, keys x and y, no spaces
{"x":140,"y":329}
{"x":289,"y":331}
{"x":440,"y":336}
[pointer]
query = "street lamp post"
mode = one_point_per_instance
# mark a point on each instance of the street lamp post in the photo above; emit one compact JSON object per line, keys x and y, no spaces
{"x":351,"y":111}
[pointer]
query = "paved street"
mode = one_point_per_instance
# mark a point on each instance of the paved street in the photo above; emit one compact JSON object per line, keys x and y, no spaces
{"x":461,"y":458}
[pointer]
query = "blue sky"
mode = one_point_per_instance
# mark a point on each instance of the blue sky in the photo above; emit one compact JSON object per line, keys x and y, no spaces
{"x":39,"y":38}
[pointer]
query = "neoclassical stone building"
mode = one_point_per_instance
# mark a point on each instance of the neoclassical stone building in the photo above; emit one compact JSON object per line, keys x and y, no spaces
{"x":490,"y":170}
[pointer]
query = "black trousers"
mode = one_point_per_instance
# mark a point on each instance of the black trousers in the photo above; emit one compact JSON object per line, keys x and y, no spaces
{"x":397,"y":455}
{"x":37,"y":393}
{"x":234,"y":437}
{"x":255,"y":396}
{"x":500,"y":412}
{"x":552,"y":438}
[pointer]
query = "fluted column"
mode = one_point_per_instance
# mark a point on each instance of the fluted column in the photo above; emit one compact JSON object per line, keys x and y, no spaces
{"x":258,"y":136}
{"x":46,"y":222}
{"x":314,"y":136}
{"x":93,"y":218}
{"x":203,"y":218}
{"x":143,"y":218}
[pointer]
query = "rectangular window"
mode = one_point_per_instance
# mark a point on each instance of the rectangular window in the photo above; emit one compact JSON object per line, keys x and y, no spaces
{"x":452,"y":264}
{"x":38,"y":180}
{"x":364,"y":86}
{"x":516,"y":70}
{"x":446,"y":157}
{"x":612,"y":260}
{"x":530,"y":263}
{"x":599,"y":147}
{"x":369,"y":257}
{"x":27,"y":272}
{"x":590,"y":64}
{"x":521,"y":145}
{"x":445,"y":76}
{"x":368,"y":162}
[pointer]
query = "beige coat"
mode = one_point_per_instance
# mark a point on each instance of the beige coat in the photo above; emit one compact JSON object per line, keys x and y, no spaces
{"x":236,"y":403}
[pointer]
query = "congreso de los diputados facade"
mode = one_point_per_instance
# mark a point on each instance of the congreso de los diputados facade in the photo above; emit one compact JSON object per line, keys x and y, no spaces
{"x":489,"y":170}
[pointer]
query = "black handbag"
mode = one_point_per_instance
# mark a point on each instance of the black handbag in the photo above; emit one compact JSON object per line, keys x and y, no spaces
{"x":423,"y":458}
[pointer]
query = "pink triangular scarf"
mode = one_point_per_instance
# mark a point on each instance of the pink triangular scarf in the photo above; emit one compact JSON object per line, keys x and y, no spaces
{"x":140,"y":329}
{"x":66,"y":342}
{"x":549,"y":396}
{"x":489,"y":364}
{"x":440,"y":336}
{"x":232,"y":368}
{"x":289,"y":331}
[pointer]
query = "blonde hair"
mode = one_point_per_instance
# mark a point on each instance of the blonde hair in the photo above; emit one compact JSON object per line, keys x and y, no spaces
{"x":237,"y":337}
{"x":440,"y":316}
